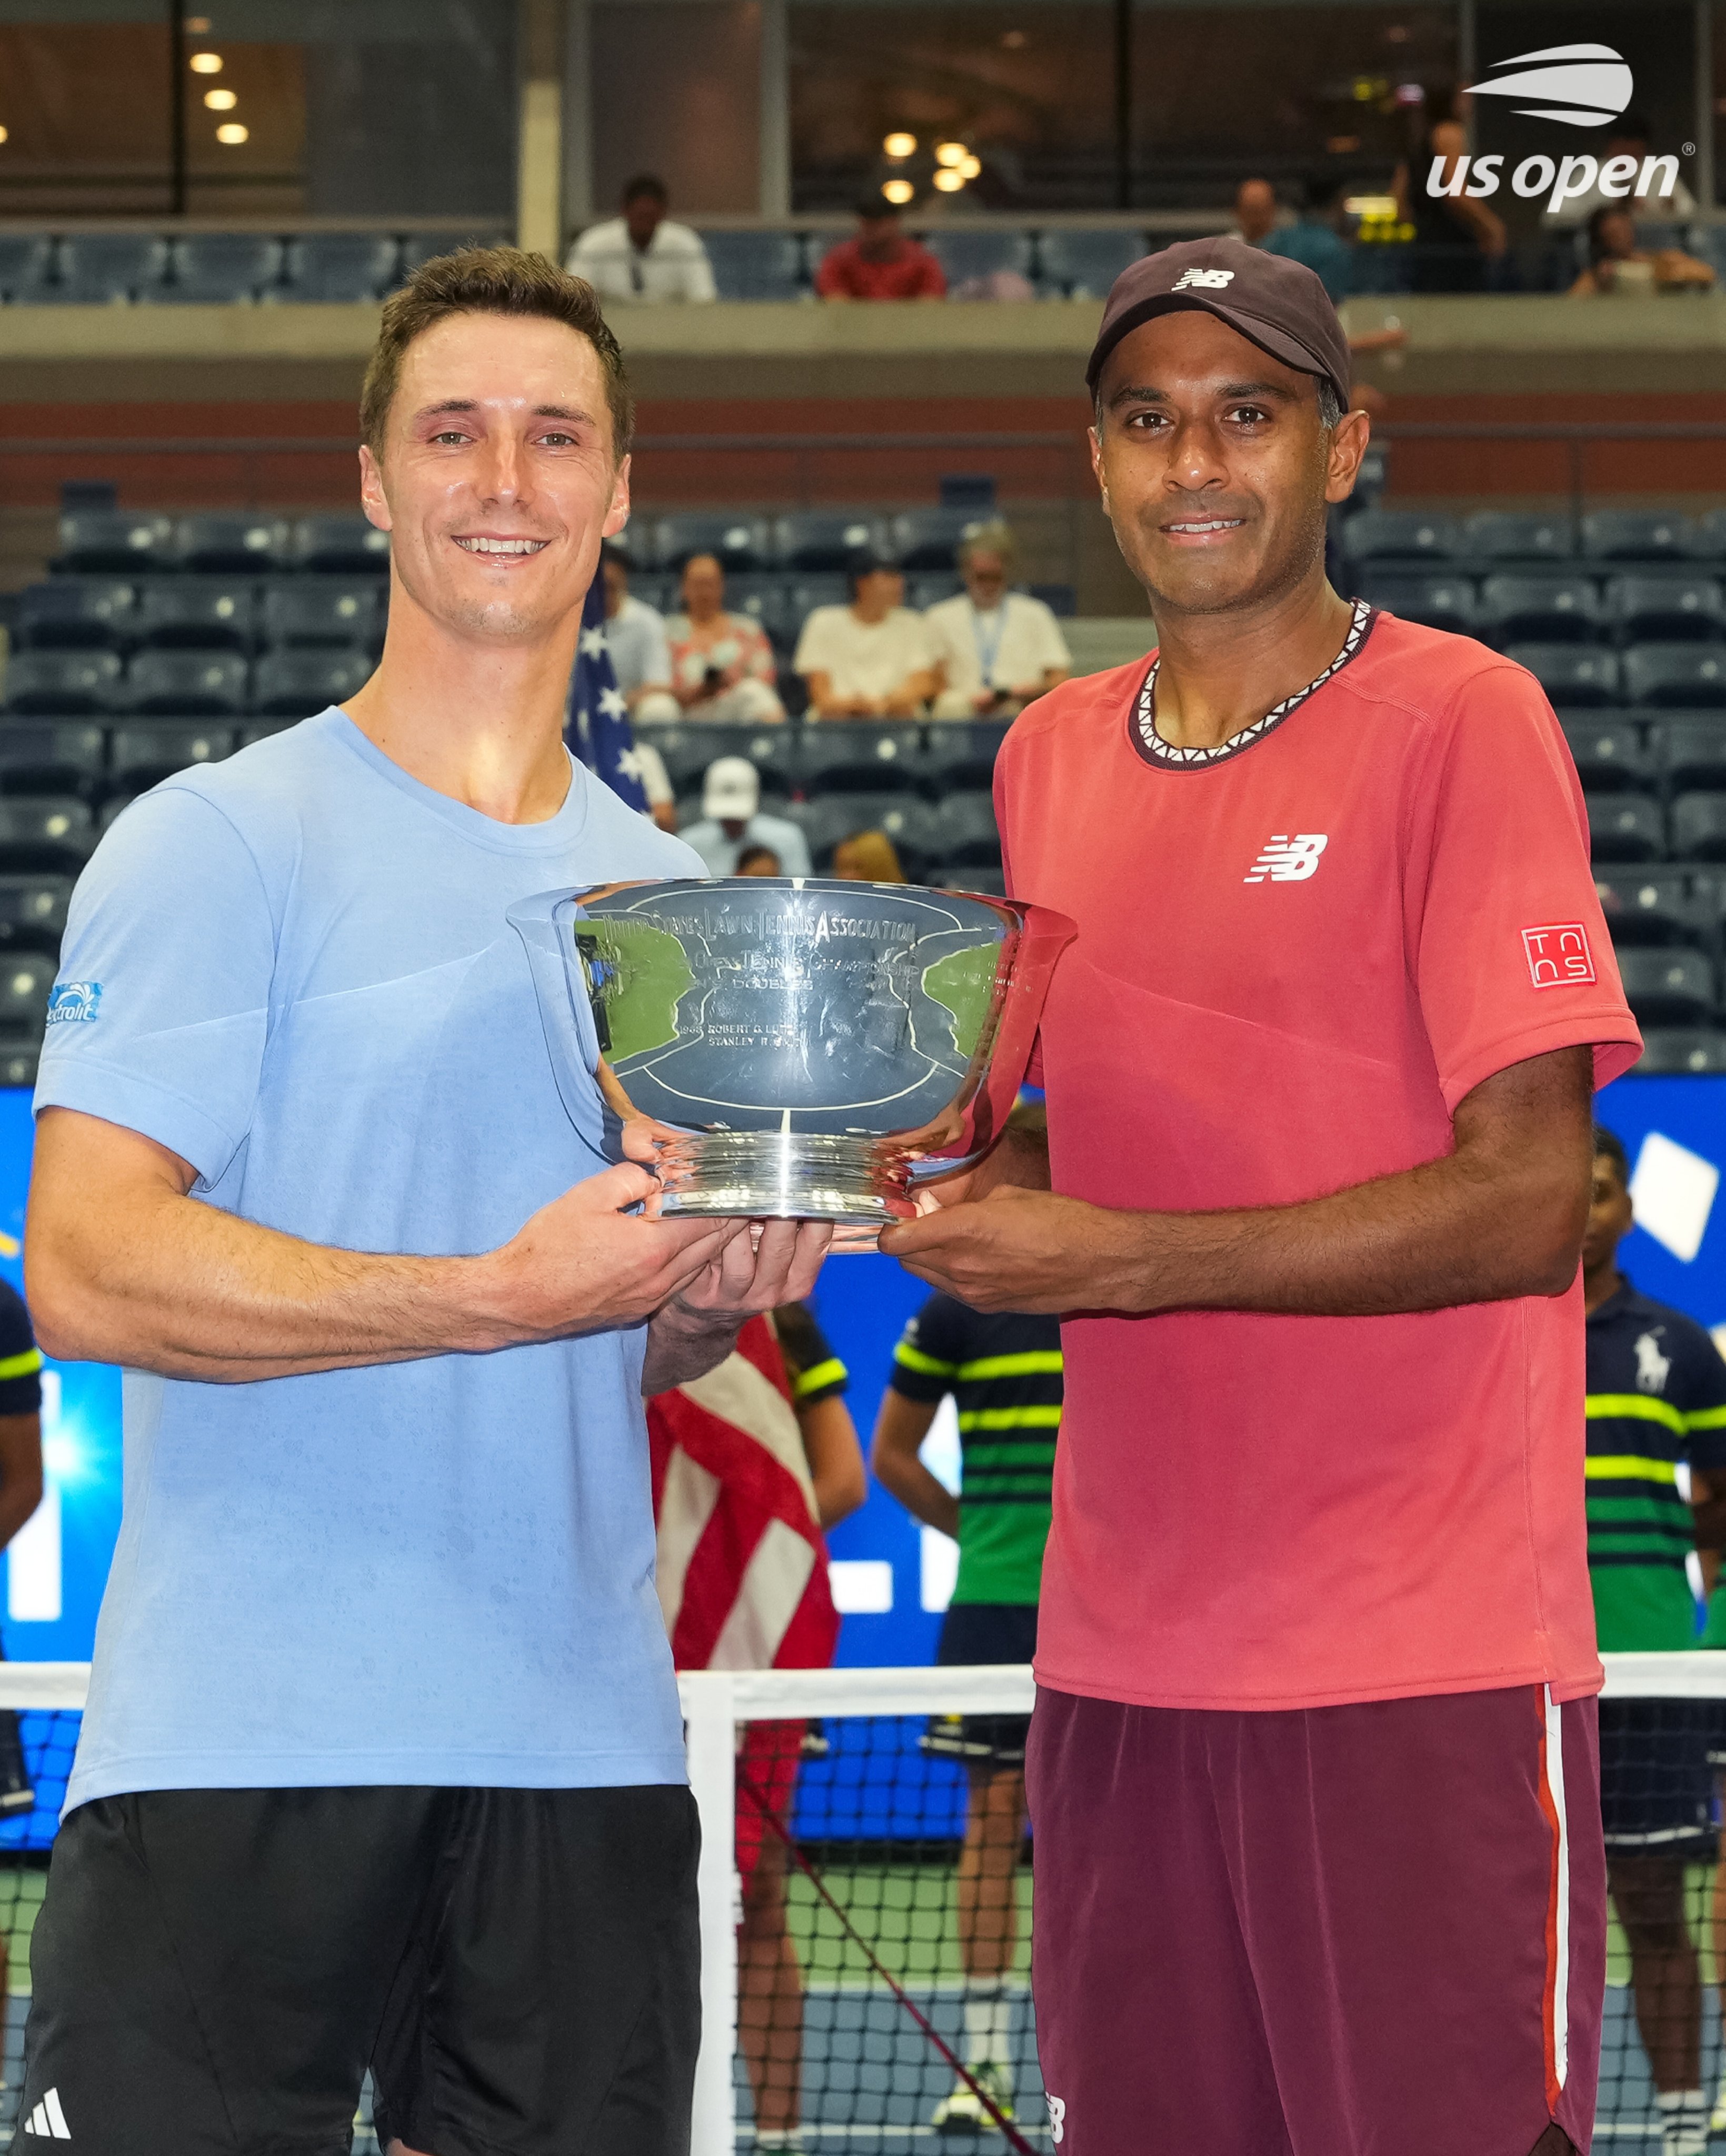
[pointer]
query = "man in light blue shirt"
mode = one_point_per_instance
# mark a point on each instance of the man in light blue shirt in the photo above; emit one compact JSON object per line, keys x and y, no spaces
{"x":732,"y":822}
{"x":382,"y":1764}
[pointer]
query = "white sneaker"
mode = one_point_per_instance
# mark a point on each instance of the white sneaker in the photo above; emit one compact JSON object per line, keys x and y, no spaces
{"x":964,"y":2111}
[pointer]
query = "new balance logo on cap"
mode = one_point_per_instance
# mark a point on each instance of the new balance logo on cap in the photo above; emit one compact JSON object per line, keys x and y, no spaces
{"x":48,"y":2120}
{"x":1288,"y":860}
{"x":1212,"y":280}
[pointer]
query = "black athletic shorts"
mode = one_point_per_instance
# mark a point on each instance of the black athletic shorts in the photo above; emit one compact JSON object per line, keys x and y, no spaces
{"x":982,"y":1632}
{"x":214,"y":1970}
{"x":1656,"y":1791}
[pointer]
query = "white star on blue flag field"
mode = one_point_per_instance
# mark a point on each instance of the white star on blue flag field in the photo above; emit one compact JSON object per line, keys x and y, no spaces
{"x":597,"y":721}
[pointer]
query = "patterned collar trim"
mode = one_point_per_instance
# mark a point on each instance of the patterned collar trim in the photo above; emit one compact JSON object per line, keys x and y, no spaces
{"x":1167,"y":756}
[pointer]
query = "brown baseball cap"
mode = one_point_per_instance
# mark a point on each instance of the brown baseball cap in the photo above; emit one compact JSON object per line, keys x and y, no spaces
{"x":1277,"y":305}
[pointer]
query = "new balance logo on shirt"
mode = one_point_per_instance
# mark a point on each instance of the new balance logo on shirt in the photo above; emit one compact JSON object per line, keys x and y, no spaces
{"x":1288,"y":860}
{"x":48,"y":2120}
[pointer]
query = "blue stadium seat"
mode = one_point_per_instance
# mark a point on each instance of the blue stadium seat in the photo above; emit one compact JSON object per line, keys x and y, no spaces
{"x":1670,"y":1051}
{"x":757,"y":265}
{"x":1690,"y":753}
{"x":689,"y":748}
{"x":1082,"y":264}
{"x":1637,"y":535}
{"x":340,"y":545}
{"x":740,"y":543}
{"x":109,"y":540}
{"x":69,"y":613}
{"x":208,"y":614}
{"x":297,"y":685}
{"x":968,"y":837}
{"x":961,"y":755}
{"x":1609,"y":754}
{"x":1626,"y":827}
{"x":766,"y":602}
{"x":19,"y":1066}
{"x":1539,"y":609}
{"x":912,"y":824}
{"x":143,"y":755}
{"x":45,"y":835}
{"x":26,"y":982}
{"x":190,"y":683}
{"x":926,"y":591}
{"x":827,"y":539}
{"x":1371,"y":476}
{"x":1399,"y":535}
{"x":929,"y":538}
{"x":1573,"y":676}
{"x":660,"y":593}
{"x":1673,"y":987}
{"x":980,"y":250}
{"x":216,"y":268}
{"x":26,"y":266}
{"x":419,"y":248}
{"x":857,"y":757}
{"x":1442,"y":600}
{"x":806,"y":593}
{"x":334,"y":268}
{"x":32,"y":912}
{"x":72,"y":684}
{"x":1670,"y":607}
{"x":1698,"y":827}
{"x":1509,"y":535}
{"x":314,"y":610}
{"x":1707,"y":534}
{"x":98,"y":268}
{"x":1656,"y":906}
{"x":1685,"y":675}
{"x":231,"y":539}
{"x":65,"y":756}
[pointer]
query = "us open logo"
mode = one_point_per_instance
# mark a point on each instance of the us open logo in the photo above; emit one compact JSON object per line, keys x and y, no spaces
{"x":1577,"y":86}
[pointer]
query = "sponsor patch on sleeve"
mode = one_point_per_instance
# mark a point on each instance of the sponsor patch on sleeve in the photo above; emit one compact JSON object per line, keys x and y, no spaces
{"x":1558,"y":955}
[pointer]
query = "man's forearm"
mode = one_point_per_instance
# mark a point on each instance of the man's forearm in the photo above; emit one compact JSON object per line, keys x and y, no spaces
{"x":681,"y":1349}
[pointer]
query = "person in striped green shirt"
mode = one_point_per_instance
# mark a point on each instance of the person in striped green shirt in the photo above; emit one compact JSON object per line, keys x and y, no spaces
{"x":1657,"y":1433}
{"x":1003,"y":1373}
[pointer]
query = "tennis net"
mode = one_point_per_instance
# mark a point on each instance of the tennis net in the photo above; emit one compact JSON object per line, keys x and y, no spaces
{"x":865,"y":1825}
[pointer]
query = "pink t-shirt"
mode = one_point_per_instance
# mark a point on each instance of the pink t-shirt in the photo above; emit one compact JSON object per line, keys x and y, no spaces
{"x":1292,"y":962}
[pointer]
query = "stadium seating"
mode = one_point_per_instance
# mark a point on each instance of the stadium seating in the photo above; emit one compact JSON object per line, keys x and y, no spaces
{"x":314,"y":610}
{"x":1637,"y":535}
{"x":230,"y":540}
{"x":1626,"y":827}
{"x":216,"y":268}
{"x":1399,"y":535}
{"x":72,"y":684}
{"x":1518,"y":608}
{"x":1514,"y":538}
{"x":982,"y":250}
{"x":26,"y":264}
{"x":47,"y":833}
{"x":1610,"y":757}
{"x":207,"y":612}
{"x":70,"y":612}
{"x":1572,"y":675}
{"x":1672,"y":987}
{"x":1672,"y":1051}
{"x":844,"y":759}
{"x":1684,"y":674}
{"x":109,"y":539}
{"x":740,"y":543}
{"x":1082,"y":264}
{"x":207,"y":684}
{"x":1656,"y":906}
{"x":142,"y":755}
{"x":333,"y":267}
{"x":339,"y":546}
{"x":826,"y":539}
{"x":1438,"y":601}
{"x":98,"y":268}
{"x":26,"y":980}
{"x":1664,"y":607}
{"x":294,"y":684}
{"x":757,"y":265}
{"x":53,"y":755}
{"x":32,"y":913}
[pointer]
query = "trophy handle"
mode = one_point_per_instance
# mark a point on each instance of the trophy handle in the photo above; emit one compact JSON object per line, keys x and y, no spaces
{"x":572,"y":1040}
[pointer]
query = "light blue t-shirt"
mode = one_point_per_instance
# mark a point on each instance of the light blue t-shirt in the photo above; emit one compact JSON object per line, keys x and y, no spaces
{"x":294,"y":969}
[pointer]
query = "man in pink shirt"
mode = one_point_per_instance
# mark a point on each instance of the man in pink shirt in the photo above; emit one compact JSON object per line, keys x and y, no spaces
{"x":880,"y":263}
{"x":1319,"y":1866}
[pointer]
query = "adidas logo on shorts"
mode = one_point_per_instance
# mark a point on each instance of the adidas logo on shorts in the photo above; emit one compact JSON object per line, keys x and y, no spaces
{"x":48,"y":2120}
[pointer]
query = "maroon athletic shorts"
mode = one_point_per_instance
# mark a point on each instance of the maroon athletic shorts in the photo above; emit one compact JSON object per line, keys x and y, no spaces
{"x":1374,"y":1930}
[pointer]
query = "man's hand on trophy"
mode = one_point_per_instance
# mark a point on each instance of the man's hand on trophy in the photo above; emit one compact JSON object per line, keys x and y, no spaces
{"x":775,"y":1262}
{"x":1019,"y":1249}
{"x":587,"y":1261}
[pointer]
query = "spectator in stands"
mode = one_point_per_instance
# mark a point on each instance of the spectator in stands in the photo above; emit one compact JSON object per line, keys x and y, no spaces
{"x":636,"y":635}
{"x":867,"y":857}
{"x":1314,"y":239}
{"x":1656,"y":1403}
{"x":1628,"y":139}
{"x":880,"y":262}
{"x":1458,"y":238}
{"x":1256,"y":215}
{"x":642,"y":255}
{"x":732,"y":822}
{"x":758,"y":861}
{"x":722,"y":665}
{"x":1618,"y":268}
{"x":872,"y":658}
{"x":994,"y":649}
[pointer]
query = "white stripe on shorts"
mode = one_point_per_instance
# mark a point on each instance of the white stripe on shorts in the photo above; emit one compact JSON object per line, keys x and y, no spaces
{"x":1561,"y":1973}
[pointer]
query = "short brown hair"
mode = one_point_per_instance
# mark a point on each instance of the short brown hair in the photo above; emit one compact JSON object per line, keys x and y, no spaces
{"x":490,"y":280}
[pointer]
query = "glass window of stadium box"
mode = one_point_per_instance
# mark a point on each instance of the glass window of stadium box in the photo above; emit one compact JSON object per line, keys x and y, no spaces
{"x":700,"y":131}
{"x":258,"y":108}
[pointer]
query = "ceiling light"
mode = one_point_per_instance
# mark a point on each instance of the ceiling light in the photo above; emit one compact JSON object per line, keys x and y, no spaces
{"x":1012,"y":40}
{"x":949,"y":179}
{"x":205,"y":63}
{"x":198,"y":25}
{"x":899,"y":144}
{"x":950,"y":153}
{"x":221,"y":100}
{"x":3,"y":134}
{"x":898,"y":191}
{"x":232,"y":132}
{"x":969,"y":168}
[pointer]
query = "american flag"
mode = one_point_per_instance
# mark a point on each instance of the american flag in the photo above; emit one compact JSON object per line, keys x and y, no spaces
{"x":742,"y":1568}
{"x":597,"y":720}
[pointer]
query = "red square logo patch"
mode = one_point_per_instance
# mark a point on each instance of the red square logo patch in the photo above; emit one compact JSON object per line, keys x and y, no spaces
{"x":1558,"y":955}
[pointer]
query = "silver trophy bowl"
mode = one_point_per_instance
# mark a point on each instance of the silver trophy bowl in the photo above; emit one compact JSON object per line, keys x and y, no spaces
{"x":817,"y":1048}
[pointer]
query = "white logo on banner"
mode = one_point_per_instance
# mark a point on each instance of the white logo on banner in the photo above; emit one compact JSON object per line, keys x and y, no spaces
{"x":1586,"y":85}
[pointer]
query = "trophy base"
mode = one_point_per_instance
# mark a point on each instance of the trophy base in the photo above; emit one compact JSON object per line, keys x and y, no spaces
{"x":785,"y":1175}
